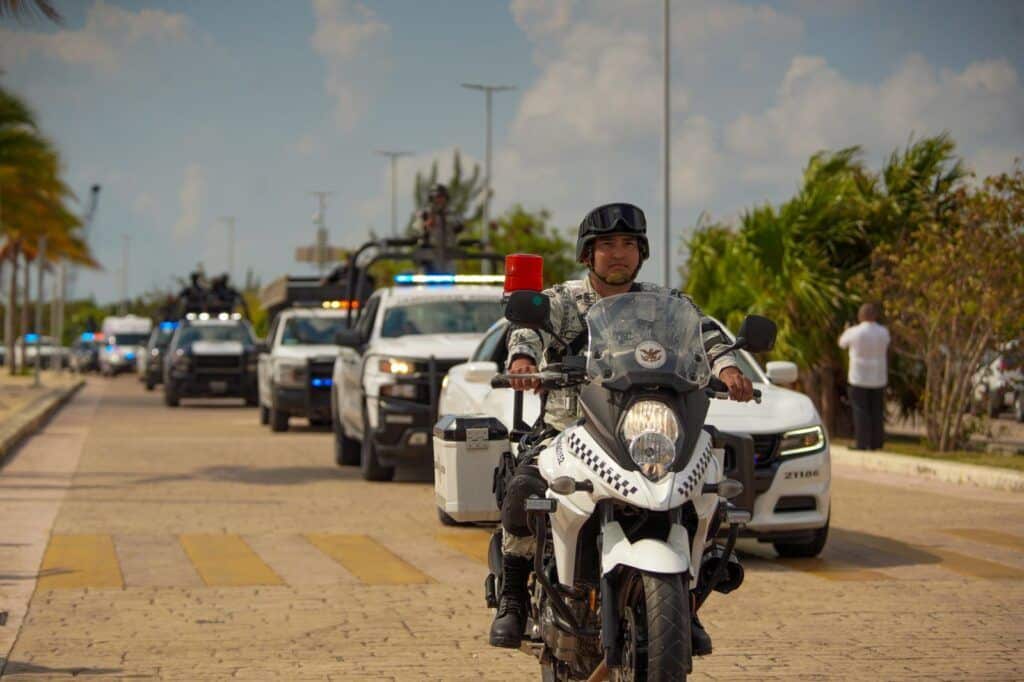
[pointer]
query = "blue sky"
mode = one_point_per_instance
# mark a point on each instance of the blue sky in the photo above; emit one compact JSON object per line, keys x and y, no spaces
{"x":187,"y":112}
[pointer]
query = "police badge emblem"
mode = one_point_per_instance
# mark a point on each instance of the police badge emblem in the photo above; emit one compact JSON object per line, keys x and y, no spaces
{"x":650,"y":355}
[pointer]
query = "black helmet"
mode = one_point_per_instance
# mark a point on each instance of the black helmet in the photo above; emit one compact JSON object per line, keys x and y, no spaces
{"x":437,"y":190}
{"x":613,"y":219}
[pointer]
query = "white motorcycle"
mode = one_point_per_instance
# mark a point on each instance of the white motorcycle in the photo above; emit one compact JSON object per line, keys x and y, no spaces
{"x":637,"y":493}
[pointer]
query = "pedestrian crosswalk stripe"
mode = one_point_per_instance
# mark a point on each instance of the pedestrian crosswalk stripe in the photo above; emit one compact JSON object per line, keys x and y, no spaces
{"x":471,"y":542}
{"x":367,"y":560}
{"x":973,"y":567}
{"x":989,"y":537}
{"x":225,"y":560}
{"x":832,"y":569}
{"x":80,"y":561}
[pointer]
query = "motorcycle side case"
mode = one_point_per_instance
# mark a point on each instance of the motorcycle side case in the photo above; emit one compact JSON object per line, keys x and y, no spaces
{"x":466,"y":451}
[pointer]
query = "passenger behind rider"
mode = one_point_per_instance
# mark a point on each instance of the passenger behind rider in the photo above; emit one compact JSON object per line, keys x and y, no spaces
{"x":612,"y":244}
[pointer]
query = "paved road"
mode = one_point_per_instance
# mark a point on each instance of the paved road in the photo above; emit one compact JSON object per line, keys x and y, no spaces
{"x":194,"y":544}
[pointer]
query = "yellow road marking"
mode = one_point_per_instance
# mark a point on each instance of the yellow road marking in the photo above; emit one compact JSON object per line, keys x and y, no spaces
{"x":74,"y":562}
{"x":367,"y":560}
{"x":831,"y":569}
{"x":991,"y":537}
{"x":227,"y":561}
{"x":974,"y":567}
{"x":472,"y":543}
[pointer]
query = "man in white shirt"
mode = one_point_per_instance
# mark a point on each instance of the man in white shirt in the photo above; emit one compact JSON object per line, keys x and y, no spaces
{"x":869,"y":344}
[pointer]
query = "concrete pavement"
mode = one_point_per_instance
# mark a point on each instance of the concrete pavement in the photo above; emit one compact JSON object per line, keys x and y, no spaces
{"x":192,"y":543}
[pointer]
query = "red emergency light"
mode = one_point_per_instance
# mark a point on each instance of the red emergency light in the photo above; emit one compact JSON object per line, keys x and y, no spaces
{"x":524,"y":271}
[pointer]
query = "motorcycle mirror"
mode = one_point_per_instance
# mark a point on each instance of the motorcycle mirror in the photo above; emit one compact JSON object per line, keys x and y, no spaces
{"x":529,"y":309}
{"x":757,"y":334}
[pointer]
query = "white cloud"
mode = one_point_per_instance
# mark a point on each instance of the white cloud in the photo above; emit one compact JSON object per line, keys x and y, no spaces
{"x":191,"y":197}
{"x":101,"y":43}
{"x":541,"y":18}
{"x":346,"y":33}
{"x":303,"y":146}
{"x":816,"y":107}
{"x":145,"y":204}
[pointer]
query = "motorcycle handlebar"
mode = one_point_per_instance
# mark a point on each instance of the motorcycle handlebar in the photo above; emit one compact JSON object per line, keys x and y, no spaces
{"x":716,"y":388}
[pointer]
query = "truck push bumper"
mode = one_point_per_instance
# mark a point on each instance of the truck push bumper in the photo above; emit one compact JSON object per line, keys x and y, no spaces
{"x":303,"y":402}
{"x":403,"y":434}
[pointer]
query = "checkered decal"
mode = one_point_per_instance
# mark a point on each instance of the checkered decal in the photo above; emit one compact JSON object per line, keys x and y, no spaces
{"x":696,"y":471}
{"x":599,"y":466}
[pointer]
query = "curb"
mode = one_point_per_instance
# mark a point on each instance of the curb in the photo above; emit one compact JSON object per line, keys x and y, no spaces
{"x":922,"y":467}
{"x":34,"y":417}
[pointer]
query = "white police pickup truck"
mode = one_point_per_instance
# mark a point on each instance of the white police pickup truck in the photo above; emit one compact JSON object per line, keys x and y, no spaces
{"x":791,"y":499}
{"x":392,"y":361}
{"x":295,"y":368}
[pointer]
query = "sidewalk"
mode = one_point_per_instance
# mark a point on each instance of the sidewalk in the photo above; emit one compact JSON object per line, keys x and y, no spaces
{"x":926,"y":468}
{"x":25,"y":408}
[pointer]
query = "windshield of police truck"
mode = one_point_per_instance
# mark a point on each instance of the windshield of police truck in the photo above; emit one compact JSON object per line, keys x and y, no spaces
{"x":311,"y":331}
{"x":215,"y":333}
{"x":441,"y":317}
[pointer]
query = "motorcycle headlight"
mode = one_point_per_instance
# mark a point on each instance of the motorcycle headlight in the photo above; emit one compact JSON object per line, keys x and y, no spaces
{"x":650,"y":430}
{"x":802,"y":441}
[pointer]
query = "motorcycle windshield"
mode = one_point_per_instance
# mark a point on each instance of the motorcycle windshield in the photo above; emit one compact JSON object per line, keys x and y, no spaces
{"x":646,"y":332}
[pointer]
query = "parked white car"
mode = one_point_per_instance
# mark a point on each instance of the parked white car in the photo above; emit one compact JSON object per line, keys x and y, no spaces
{"x":999,"y":384}
{"x":51,"y":355}
{"x":124,"y":339}
{"x":792,"y":463}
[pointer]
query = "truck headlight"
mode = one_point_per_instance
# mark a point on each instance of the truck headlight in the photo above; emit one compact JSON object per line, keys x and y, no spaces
{"x":396,"y":366}
{"x":291,"y":374}
{"x":650,"y":430}
{"x":801,"y":441}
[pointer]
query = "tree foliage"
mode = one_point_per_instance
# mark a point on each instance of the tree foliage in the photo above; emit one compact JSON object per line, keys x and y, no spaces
{"x":954,"y":286}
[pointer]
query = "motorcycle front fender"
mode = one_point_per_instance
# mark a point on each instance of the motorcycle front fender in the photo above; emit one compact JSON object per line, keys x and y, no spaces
{"x":656,"y":556}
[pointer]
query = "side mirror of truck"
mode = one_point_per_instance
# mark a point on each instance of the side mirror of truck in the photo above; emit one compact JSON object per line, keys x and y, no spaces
{"x":348,"y":338}
{"x":757,"y":334}
{"x":529,"y":309}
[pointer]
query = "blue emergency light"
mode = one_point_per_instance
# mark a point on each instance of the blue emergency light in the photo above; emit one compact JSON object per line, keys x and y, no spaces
{"x":442,"y":279}
{"x":88,"y":336}
{"x":31,"y":338}
{"x":168,"y":326}
{"x":318,"y":382}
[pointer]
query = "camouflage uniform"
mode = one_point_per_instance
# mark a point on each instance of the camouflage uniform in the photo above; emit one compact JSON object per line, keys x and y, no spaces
{"x":570,"y":302}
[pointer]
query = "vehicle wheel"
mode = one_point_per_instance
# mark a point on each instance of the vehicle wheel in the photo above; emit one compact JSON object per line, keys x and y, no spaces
{"x":252,"y":400}
{"x":319,"y":421}
{"x":654,"y":628}
{"x":171,"y":398}
{"x":264,"y":415}
{"x":803,"y":550}
{"x":371,"y":468}
{"x":446,"y":519}
{"x":278,"y":419}
{"x":347,"y":451}
{"x":150,"y":385}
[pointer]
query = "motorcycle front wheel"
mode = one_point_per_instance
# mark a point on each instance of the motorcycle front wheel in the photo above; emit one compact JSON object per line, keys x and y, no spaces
{"x":654,"y":628}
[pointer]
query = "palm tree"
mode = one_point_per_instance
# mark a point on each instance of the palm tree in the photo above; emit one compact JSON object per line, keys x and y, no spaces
{"x":34,"y":201}
{"x":21,"y":8}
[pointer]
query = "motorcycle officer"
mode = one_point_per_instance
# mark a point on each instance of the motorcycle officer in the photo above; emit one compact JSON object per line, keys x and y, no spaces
{"x":612,"y":244}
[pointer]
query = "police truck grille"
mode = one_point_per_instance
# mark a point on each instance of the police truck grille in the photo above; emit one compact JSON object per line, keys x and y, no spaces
{"x":217,"y":362}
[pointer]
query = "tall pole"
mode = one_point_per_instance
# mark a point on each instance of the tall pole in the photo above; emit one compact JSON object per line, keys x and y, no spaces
{"x":229,"y":222}
{"x":125,"y":245}
{"x":488,"y":91}
{"x":394,"y":156}
{"x":666,"y":171}
{"x":40,"y":297}
{"x":320,"y":220}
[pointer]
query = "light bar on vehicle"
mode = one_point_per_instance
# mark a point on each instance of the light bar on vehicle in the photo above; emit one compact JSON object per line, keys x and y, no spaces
{"x":339,"y":305}
{"x":168,"y":326}
{"x":31,"y":338}
{"x":88,"y":336}
{"x":408,"y":279}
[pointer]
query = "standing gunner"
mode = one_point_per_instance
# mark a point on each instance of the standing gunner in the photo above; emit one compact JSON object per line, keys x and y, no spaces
{"x":612,"y":244}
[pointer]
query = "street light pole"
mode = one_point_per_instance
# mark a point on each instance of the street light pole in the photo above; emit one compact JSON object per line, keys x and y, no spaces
{"x":488,"y":91}
{"x":40,"y":297}
{"x":126,"y":240}
{"x":229,"y":222}
{"x":668,"y":144}
{"x":394,"y":156}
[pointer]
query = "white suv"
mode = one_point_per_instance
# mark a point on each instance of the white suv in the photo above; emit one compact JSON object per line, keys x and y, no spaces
{"x":390,"y":367}
{"x":792,"y":464}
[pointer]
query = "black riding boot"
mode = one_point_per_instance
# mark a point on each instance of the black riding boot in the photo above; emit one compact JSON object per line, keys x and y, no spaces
{"x":513,"y":605}
{"x":700,"y":640}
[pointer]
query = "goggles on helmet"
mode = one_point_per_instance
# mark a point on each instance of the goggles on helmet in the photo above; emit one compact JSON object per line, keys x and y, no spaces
{"x":612,"y":218}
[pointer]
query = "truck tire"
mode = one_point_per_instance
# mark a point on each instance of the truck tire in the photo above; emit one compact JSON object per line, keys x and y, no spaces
{"x":803,"y":550}
{"x":371,"y":468}
{"x":171,"y":398}
{"x":252,"y":399}
{"x":264,"y":415}
{"x":347,"y":451}
{"x":150,"y":385}
{"x":278,"y":419}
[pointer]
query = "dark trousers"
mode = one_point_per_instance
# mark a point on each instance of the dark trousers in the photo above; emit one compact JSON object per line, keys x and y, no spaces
{"x":868,"y":417}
